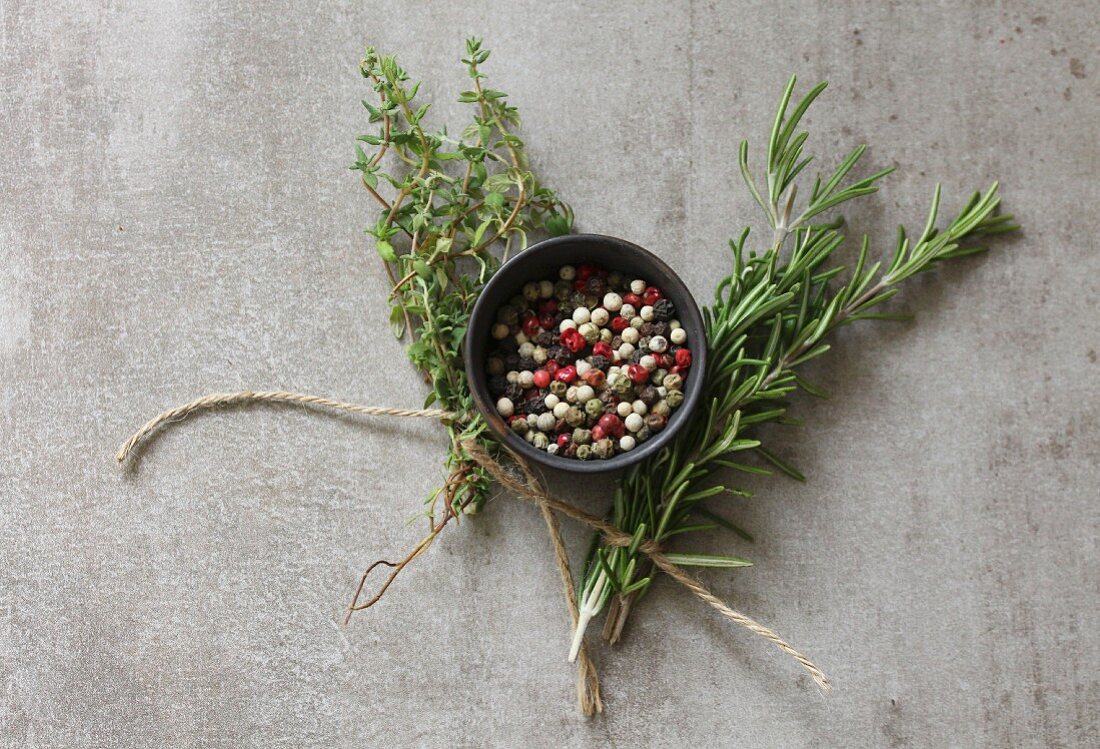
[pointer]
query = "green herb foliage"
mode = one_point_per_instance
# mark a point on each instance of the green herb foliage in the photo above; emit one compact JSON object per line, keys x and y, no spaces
{"x":448,"y":208}
{"x":772,"y":314}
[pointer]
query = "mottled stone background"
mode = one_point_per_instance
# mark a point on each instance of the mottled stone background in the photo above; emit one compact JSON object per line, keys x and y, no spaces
{"x":177,"y":218}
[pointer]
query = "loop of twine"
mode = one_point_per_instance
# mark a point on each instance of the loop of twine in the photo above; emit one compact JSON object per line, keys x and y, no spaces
{"x":245,"y":397}
{"x":530,"y":490}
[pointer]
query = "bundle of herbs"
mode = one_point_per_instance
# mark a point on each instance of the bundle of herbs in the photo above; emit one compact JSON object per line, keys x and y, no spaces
{"x":453,"y":208}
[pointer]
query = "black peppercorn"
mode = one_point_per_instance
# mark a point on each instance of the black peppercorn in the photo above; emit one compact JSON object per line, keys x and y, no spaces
{"x":535,"y":405}
{"x":664,"y":310}
{"x":513,"y":392}
{"x":646,"y":330}
{"x":648,"y":395}
{"x":544,"y":338}
{"x":497,"y":385}
{"x":564,"y":356}
{"x":595,"y":285}
{"x":599,"y":362}
{"x":660,"y":328}
{"x":527,"y":364}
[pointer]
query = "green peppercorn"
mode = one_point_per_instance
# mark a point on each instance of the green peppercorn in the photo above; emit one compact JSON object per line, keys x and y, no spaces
{"x":584,"y":452}
{"x":541,"y":441}
{"x":674,"y":398}
{"x":604,"y":449}
{"x":643,"y":434}
{"x":593,"y":407}
{"x":673,"y":382}
{"x":582,"y":436}
{"x":558,"y":388}
{"x":574,"y":417}
{"x":661,"y":408}
{"x":520,"y":426}
{"x":619,"y":383}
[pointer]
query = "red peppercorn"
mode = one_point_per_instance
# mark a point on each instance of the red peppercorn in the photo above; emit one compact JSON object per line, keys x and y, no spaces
{"x":598,"y":433}
{"x":667,"y":361}
{"x":601,"y":349}
{"x":566,"y":374}
{"x":683,"y":358}
{"x":637,"y":373}
{"x":548,"y":306}
{"x":531,"y":326}
{"x":676,"y":369}
{"x":633,"y":300}
{"x":584,"y":271}
{"x":542,"y":378}
{"x":547,"y":320}
{"x":611,"y":424}
{"x":563,"y":440}
{"x":619,"y":324}
{"x":573,"y":340}
{"x":578,"y":285}
{"x":651,"y":295}
{"x":595,"y":377}
{"x":551,"y":367}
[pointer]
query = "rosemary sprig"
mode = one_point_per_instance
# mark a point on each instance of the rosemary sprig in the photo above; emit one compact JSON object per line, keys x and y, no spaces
{"x":770,"y":315}
{"x":452,"y":207}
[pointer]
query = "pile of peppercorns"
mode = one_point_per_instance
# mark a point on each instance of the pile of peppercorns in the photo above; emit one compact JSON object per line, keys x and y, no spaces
{"x":589,"y":365}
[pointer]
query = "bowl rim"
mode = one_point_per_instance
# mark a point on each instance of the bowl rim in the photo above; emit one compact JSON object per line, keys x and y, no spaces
{"x":688,"y":313}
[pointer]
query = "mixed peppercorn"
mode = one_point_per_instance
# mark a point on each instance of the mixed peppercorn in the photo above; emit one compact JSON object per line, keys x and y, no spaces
{"x":588,"y":365}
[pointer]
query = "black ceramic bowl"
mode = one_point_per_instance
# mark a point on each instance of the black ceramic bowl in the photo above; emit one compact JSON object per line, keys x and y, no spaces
{"x":541,"y":261}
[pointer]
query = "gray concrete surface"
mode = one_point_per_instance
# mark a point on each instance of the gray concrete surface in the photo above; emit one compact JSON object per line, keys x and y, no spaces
{"x":177,"y":218}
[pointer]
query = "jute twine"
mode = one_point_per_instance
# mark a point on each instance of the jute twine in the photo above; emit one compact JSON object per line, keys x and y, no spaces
{"x":530,"y":489}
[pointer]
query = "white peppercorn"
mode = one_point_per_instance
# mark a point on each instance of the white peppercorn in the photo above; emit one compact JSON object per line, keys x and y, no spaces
{"x":581,"y":315}
{"x":561,"y":409}
{"x":600,"y":316}
{"x":585,"y":393}
{"x":547,"y":421}
{"x":630,"y":335}
{"x":678,"y":336}
{"x":633,"y":422}
{"x":612,"y":302}
{"x":658,"y":344}
{"x":546,"y":289}
{"x":626,"y":443}
{"x":637,"y":286}
{"x":626,"y":311}
{"x":646,"y":313}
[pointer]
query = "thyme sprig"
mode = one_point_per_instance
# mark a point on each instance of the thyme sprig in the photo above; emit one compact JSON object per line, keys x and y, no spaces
{"x":449,"y":211}
{"x":771,"y":315}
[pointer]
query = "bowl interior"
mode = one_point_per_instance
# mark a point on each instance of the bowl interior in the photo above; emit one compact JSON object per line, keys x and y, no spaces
{"x":542,"y":261}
